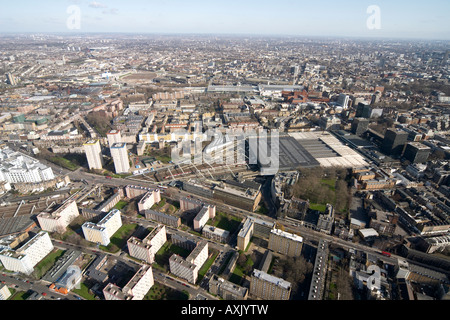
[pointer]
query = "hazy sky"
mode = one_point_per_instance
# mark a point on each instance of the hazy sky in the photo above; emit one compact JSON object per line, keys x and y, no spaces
{"x":399,"y":18}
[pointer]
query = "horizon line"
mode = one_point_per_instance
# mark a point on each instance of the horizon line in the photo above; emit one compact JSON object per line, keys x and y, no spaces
{"x":262,"y":35}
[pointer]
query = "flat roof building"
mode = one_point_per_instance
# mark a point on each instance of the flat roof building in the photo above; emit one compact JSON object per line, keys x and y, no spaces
{"x":119,"y":153}
{"x":269,"y":287}
{"x":94,"y":156}
{"x":102,"y":231}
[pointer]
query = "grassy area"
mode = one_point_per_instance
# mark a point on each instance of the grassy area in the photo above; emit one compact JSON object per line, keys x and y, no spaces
{"x":21,"y":295}
{"x":208,"y":263}
{"x":318,"y":207}
{"x":226,"y":222}
{"x":119,"y":239}
{"x":161,"y":292}
{"x":237,"y":275}
{"x":67,"y":164}
{"x":163,"y":255}
{"x":42,"y":267}
{"x":84,"y":292}
{"x":120,"y":205}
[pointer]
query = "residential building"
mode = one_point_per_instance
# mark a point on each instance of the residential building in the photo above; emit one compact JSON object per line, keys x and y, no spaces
{"x":119,"y":153}
{"x":149,"y":199}
{"x":59,"y":219}
{"x":114,"y":136}
{"x":4,"y":292}
{"x":24,"y":258}
{"x":135,"y":289}
{"x":94,"y":156}
{"x":285,"y":243}
{"x":102,"y":231}
{"x":269,"y":287}
{"x":188,"y":268}
{"x":226,"y":289}
{"x":147,"y":248}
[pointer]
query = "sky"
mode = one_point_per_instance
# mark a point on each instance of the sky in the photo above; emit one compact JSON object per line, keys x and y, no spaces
{"x":330,"y":18}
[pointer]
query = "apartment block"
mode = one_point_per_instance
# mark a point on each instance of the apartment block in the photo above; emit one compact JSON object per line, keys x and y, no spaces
{"x":253,"y":226}
{"x":216,"y":234}
{"x":146,"y":248}
{"x":149,"y":199}
{"x":94,"y":156}
{"x":27,"y":256}
{"x":114,"y":136}
{"x":285,"y":243}
{"x":160,"y":217}
{"x":188,"y":268}
{"x":226,"y":289}
{"x":206,"y":213}
{"x":119,"y":153}
{"x":268,"y":287}
{"x":104,"y":229}
{"x":135,"y":289}
{"x":4,"y":292}
{"x":58,"y":220}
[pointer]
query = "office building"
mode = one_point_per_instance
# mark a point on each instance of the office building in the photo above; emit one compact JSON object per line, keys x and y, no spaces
{"x":394,"y":142}
{"x":94,"y":156}
{"x":11,"y":79}
{"x":114,"y":136}
{"x":101,"y":232}
{"x":245,"y":195}
{"x":285,"y":243}
{"x":59,"y":219}
{"x":343,"y":100}
{"x":16,"y":167}
{"x":416,"y":152}
{"x":146,"y":248}
{"x":360,"y":126}
{"x":268,"y":287}
{"x":27,"y":256}
{"x":135,"y":289}
{"x":119,"y":153}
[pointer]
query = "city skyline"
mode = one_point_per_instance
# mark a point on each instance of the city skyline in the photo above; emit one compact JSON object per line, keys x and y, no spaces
{"x":412,"y":20}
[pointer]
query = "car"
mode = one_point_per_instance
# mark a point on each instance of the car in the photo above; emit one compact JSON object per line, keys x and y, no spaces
{"x":44,"y":293}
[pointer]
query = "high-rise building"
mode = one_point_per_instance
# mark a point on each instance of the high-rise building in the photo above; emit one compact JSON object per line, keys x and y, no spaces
{"x":416,"y":152}
{"x":114,"y":136}
{"x":343,"y":100}
{"x":119,"y":153}
{"x":94,"y":154}
{"x":11,"y":79}
{"x":394,"y":142}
